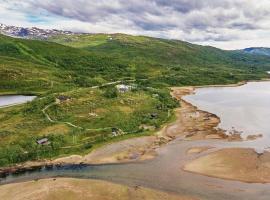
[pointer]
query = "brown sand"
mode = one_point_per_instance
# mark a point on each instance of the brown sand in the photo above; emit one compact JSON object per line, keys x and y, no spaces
{"x":123,"y":151}
{"x":75,"y":189}
{"x":198,"y":150}
{"x":235,"y":163}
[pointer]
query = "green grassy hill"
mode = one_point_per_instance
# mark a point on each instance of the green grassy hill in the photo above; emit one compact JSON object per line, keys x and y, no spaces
{"x":45,"y":66}
{"x":87,"y":60}
{"x":69,"y":66}
{"x":171,"y":62}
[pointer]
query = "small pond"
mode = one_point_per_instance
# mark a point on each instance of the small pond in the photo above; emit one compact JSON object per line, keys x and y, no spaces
{"x":10,"y":100}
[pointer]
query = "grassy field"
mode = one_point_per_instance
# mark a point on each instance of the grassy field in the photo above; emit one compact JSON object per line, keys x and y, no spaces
{"x":86,"y":118}
{"x":63,"y":71}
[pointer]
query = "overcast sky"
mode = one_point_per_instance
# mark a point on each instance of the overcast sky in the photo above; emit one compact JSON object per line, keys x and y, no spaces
{"x":227,"y":24}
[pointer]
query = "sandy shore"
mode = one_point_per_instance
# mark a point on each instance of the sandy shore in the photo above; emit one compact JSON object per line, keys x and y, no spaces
{"x":198,"y":150}
{"x":235,"y":164}
{"x":75,"y":189}
{"x":141,"y":148}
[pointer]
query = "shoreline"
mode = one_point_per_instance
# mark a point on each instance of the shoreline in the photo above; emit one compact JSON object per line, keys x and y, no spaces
{"x":241,"y":83}
{"x":140,"y":148}
{"x":190,"y":123}
{"x":229,"y":166}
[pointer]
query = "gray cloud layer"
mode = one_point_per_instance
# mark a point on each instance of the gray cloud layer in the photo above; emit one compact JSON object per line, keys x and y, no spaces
{"x":201,"y":21}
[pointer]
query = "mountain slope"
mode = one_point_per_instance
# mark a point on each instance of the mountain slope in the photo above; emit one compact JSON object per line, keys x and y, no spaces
{"x":170,"y":61}
{"x":66,"y":66}
{"x":87,"y":60}
{"x":104,"y":57}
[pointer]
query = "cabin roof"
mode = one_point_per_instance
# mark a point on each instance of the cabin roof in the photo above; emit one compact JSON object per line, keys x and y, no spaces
{"x":42,"y":141}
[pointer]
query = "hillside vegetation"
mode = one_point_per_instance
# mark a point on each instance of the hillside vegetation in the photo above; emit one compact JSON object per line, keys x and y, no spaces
{"x":45,"y":66}
{"x":171,"y":62}
{"x":77,"y":109}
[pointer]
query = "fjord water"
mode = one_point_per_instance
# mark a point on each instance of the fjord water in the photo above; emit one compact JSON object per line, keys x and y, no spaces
{"x":9,"y":100}
{"x":243,"y":108}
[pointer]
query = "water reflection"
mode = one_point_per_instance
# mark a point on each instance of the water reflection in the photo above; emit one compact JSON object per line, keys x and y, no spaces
{"x":245,"y":108}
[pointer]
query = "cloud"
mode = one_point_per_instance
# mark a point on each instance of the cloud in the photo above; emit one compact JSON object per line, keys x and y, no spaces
{"x":215,"y":22}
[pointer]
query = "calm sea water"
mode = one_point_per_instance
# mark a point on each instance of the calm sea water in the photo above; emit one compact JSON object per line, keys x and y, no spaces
{"x":245,"y":108}
{"x":9,"y":100}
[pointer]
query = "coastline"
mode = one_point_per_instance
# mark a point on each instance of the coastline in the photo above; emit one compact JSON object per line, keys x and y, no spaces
{"x":227,"y":163}
{"x":141,"y":148}
{"x":191,"y":124}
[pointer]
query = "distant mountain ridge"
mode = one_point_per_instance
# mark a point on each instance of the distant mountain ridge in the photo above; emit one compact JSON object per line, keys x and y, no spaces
{"x":257,"y":51}
{"x":47,"y":34}
{"x":31,"y":33}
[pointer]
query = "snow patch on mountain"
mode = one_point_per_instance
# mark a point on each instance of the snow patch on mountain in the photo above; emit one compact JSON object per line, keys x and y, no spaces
{"x":31,"y":33}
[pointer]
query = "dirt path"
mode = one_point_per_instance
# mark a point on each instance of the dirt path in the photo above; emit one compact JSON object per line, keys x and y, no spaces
{"x":71,"y":124}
